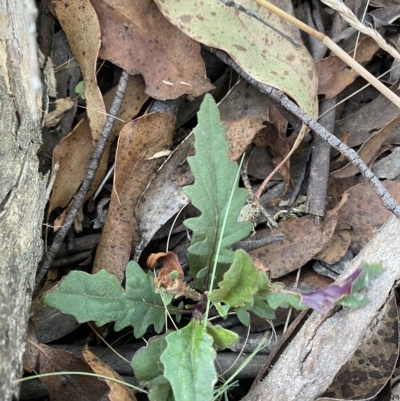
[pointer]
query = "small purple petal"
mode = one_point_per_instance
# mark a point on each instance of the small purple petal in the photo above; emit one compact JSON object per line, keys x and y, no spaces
{"x":323,"y":300}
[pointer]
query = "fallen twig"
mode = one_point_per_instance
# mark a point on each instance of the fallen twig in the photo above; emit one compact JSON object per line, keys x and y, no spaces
{"x":281,"y":99}
{"x":88,"y":181}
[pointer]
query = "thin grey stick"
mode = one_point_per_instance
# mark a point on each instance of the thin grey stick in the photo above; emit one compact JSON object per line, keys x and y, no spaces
{"x":255,"y":15}
{"x":280,"y":98}
{"x":88,"y":181}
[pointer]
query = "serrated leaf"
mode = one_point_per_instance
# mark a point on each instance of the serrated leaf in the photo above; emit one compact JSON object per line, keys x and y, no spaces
{"x":239,"y":284}
{"x":214,"y":180}
{"x":101,"y":298}
{"x":191,"y":350}
{"x":266,"y":54}
{"x":222,"y":337}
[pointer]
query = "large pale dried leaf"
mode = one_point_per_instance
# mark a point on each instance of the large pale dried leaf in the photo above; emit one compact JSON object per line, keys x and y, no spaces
{"x":365,"y":212}
{"x":138,"y":142}
{"x":302,"y":241}
{"x":372,"y":365}
{"x":334,"y":74}
{"x":118,"y":392}
{"x":79,"y":22}
{"x":136,"y":37}
{"x":68,"y":387}
{"x":75,"y":150}
{"x":262,"y":52}
{"x":368,"y":151}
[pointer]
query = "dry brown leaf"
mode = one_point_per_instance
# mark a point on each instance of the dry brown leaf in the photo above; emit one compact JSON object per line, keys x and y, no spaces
{"x":368,"y":151}
{"x":68,"y":387}
{"x":336,"y":188}
{"x":75,"y":150}
{"x":302,"y":241}
{"x":372,"y":365}
{"x":137,"y":37}
{"x":369,"y":119}
{"x":118,"y":392}
{"x":334,"y":75}
{"x":240,"y":133}
{"x":365,"y":212}
{"x":79,"y":22}
{"x":170,"y":264}
{"x":55,"y":116}
{"x":336,"y":248}
{"x":138,"y":141}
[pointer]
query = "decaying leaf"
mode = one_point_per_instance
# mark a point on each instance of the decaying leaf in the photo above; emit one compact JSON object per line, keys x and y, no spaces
{"x":291,"y":253}
{"x":365,"y":212}
{"x":136,"y":37}
{"x":334,"y":75}
{"x":79,"y":22}
{"x":138,"y":142}
{"x":75,"y":150}
{"x":368,"y":150}
{"x":68,"y":387}
{"x":240,"y":133}
{"x":262,"y":52}
{"x":118,"y":392}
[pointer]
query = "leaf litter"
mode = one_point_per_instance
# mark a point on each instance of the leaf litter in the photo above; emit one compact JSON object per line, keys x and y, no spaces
{"x":145,"y":196}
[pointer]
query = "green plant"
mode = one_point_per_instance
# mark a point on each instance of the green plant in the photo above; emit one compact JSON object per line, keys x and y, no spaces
{"x":242,"y":287}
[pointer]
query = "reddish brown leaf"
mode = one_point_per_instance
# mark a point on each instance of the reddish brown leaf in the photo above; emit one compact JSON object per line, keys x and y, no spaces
{"x":365,"y":212}
{"x":334,"y":75}
{"x":138,"y":142}
{"x":170,"y":264}
{"x":240,"y":133}
{"x":302,"y":241}
{"x":68,"y":387}
{"x":118,"y":392}
{"x":336,"y":248}
{"x":137,"y":37}
{"x":79,"y":22}
{"x":368,"y":151}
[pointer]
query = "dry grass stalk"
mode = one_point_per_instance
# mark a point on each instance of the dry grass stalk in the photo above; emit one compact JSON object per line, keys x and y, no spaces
{"x":348,"y":16}
{"x":335,"y":48}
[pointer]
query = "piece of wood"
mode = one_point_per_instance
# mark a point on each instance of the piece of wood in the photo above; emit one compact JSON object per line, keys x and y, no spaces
{"x":22,"y":189}
{"x":309,"y":364}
